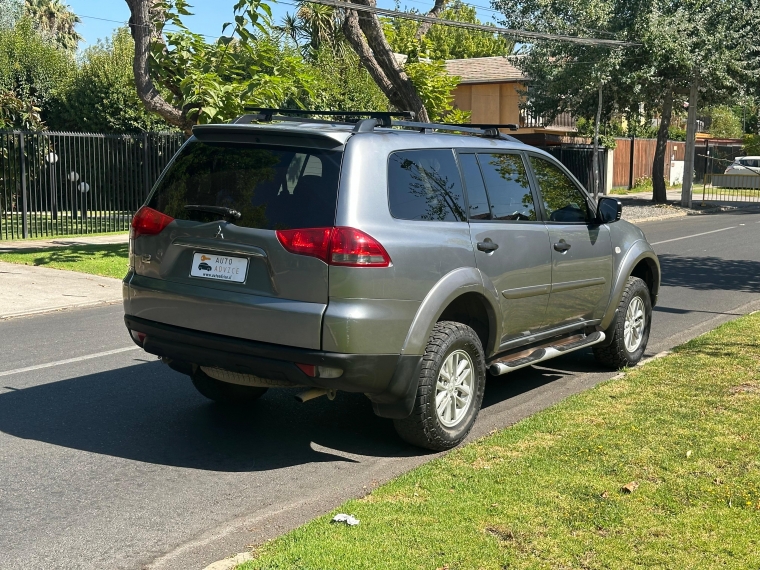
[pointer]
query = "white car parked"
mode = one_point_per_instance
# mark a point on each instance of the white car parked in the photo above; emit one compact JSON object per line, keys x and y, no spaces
{"x":745,"y":165}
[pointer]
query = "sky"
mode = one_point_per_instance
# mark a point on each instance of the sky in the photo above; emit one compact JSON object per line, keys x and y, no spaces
{"x":101,"y":17}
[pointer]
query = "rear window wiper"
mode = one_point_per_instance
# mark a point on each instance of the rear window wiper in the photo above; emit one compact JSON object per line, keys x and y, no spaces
{"x":227,"y":213}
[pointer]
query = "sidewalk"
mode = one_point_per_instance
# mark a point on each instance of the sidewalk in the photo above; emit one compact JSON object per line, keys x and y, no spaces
{"x":32,"y":244}
{"x":28,"y":290}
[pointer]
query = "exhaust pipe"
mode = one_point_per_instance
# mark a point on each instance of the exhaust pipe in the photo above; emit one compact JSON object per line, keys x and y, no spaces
{"x":315,"y":393}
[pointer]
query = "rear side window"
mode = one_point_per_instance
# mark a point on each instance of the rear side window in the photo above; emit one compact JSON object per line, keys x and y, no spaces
{"x":425,"y":185}
{"x":274,"y":188}
{"x":476,"y":190}
{"x":508,"y":187}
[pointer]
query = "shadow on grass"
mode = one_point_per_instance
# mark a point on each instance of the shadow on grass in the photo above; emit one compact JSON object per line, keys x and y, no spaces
{"x":73,"y":254}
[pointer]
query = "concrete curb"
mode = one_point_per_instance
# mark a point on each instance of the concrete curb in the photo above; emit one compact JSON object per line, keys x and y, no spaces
{"x":59,"y":309}
{"x":231,"y":562}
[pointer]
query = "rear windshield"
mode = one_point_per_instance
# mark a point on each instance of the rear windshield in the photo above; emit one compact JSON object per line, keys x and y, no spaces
{"x":274,"y":188}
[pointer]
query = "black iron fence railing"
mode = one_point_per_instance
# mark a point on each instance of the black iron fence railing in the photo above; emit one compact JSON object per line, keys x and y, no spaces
{"x":563,"y":121}
{"x":69,"y":183}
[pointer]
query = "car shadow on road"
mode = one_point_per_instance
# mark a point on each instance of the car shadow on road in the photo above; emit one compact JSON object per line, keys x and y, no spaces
{"x":710,"y":273}
{"x":149,"y":413}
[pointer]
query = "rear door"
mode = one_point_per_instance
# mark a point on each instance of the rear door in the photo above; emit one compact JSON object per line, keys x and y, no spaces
{"x":511,"y":242}
{"x":228,"y":273}
{"x":581,"y":249}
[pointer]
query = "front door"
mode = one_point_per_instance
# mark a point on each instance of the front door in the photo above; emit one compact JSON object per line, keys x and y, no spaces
{"x":581,"y":250}
{"x":511,"y":243}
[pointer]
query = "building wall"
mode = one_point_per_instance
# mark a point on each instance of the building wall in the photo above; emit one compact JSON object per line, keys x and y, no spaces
{"x":490,"y":102}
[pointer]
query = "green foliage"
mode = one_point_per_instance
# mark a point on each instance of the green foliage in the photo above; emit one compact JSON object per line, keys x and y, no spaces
{"x":674,"y":41}
{"x":18,"y":114}
{"x":586,"y":129}
{"x":725,"y":124}
{"x":752,"y":145}
{"x":676,"y":133}
{"x":434,"y":86}
{"x":10,"y":13}
{"x":216,"y":81}
{"x":55,"y":19}
{"x":32,"y":68}
{"x":101,"y":96}
{"x":445,"y":42}
{"x":341,"y":82}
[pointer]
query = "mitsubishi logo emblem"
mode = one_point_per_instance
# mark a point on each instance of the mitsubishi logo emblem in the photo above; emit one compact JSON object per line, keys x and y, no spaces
{"x":219,"y":233}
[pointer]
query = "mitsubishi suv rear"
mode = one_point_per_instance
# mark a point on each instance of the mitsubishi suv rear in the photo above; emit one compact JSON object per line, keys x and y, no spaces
{"x":400,"y":260}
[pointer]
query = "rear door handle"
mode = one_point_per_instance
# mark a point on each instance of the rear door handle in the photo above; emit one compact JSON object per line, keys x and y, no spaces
{"x":562,"y":246}
{"x":488,"y":246}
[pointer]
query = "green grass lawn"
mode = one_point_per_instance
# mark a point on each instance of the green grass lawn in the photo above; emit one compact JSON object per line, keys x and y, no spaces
{"x":683,"y":430}
{"x":109,"y":260}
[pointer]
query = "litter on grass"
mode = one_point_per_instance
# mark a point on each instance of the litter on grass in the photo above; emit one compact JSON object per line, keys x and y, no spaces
{"x":348,"y":519}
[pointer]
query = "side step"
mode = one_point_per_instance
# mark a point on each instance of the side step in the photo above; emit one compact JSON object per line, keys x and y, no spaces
{"x":510,"y":363}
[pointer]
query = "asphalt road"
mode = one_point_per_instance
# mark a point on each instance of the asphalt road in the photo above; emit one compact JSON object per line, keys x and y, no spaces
{"x":115,"y":461}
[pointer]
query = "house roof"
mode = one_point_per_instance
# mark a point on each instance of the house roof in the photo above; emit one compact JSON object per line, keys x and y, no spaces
{"x":484,"y":70}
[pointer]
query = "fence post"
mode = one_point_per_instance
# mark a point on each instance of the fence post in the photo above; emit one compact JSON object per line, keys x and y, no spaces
{"x":630,"y":172}
{"x":24,"y":206}
{"x":146,"y":173}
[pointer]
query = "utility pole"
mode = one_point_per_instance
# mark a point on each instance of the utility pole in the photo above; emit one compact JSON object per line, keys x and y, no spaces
{"x":596,"y":143}
{"x":691,"y":140}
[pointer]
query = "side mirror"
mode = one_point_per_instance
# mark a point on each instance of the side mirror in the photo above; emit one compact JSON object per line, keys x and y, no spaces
{"x":609,"y":210}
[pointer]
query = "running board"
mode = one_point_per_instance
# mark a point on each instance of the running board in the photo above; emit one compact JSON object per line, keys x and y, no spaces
{"x":505,"y":365}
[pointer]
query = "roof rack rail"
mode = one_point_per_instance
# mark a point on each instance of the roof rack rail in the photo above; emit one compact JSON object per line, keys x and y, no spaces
{"x":486,"y":131}
{"x":374,"y":119}
{"x":265,"y":115}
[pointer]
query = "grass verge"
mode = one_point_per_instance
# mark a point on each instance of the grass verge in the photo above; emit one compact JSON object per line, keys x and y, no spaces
{"x":658,"y":469}
{"x":108,"y":260}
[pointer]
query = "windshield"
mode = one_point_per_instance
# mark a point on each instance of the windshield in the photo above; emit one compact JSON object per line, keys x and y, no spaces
{"x":272,"y":187}
{"x":752,"y":162}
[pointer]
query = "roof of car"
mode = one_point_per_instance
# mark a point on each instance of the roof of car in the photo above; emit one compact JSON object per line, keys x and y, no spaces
{"x":341,"y":132}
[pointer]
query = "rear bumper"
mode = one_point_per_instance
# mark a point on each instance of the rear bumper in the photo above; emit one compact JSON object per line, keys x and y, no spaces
{"x":387,"y":379}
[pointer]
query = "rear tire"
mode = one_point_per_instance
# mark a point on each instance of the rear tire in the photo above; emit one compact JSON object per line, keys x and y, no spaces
{"x":631,"y":331}
{"x":450,"y":390}
{"x":223,"y":392}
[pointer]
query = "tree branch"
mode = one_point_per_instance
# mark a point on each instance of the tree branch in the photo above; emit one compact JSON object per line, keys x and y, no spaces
{"x":141,"y":27}
{"x":403,"y":94}
{"x":439,"y":6}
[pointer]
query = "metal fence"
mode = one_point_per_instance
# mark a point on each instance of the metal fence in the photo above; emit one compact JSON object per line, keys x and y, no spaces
{"x":64,"y":183}
{"x":731,"y":188}
{"x":579,"y":159}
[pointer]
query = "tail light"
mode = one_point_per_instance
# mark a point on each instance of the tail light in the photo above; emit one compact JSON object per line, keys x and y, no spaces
{"x":336,"y":246}
{"x":149,"y":222}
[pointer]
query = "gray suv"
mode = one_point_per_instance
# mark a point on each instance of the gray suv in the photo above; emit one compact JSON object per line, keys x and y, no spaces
{"x":401,"y":260}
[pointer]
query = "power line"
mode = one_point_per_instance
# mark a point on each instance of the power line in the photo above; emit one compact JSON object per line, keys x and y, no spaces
{"x":469,"y":26}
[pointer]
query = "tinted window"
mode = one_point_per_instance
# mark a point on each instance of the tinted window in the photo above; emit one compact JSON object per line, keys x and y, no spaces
{"x":476,"y":190}
{"x":508,"y":187}
{"x":425,"y":185}
{"x":563,"y":201}
{"x":272,"y":187}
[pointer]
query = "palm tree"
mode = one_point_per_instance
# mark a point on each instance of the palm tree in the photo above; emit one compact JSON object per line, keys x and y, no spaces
{"x":313,"y":26}
{"x":57,"y":19}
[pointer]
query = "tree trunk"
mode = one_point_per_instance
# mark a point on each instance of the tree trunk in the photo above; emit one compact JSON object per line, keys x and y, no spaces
{"x":660,"y":195}
{"x":691,"y":139}
{"x":399,"y":89}
{"x":142,"y":26}
{"x":434,"y":13}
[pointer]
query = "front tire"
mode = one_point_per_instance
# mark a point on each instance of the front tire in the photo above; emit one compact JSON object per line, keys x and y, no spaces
{"x":450,"y":390}
{"x":631,"y":331}
{"x":223,"y":392}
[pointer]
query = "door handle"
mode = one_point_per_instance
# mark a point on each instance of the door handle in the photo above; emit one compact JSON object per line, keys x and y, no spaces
{"x":488,"y":246}
{"x":562,"y":246}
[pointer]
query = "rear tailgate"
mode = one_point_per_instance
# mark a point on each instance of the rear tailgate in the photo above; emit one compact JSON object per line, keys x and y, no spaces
{"x":218,"y":266}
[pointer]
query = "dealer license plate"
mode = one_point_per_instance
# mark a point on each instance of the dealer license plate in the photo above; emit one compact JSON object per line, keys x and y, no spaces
{"x":219,"y":267}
